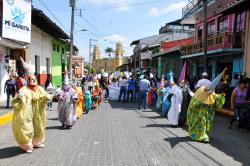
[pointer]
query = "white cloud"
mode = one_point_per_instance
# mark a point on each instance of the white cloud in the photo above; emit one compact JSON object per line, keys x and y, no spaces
{"x":124,"y":7}
{"x":115,"y":38}
{"x":154,"y":11}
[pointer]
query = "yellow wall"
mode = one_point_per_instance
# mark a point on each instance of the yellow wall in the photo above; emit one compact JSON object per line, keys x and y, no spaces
{"x":109,"y":65}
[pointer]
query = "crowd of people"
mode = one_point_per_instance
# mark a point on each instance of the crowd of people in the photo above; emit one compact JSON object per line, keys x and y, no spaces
{"x":181,"y":101}
{"x":190,"y":102}
{"x":31,"y":100}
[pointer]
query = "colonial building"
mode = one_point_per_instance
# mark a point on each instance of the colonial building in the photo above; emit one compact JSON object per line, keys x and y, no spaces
{"x":161,"y":53}
{"x":109,"y":64}
{"x":47,"y":52}
{"x":228,"y":34}
{"x":78,"y":66}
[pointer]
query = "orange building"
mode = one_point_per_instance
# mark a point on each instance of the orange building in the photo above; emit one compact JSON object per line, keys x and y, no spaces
{"x":78,"y":66}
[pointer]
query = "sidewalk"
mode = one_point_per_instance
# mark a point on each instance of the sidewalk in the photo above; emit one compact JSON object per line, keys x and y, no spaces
{"x":5,"y":113}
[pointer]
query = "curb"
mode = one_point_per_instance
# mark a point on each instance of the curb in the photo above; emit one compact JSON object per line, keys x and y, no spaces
{"x":6,"y":118}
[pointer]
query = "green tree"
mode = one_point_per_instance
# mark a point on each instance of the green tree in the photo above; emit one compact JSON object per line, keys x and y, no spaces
{"x":93,"y":70}
{"x":109,"y":50}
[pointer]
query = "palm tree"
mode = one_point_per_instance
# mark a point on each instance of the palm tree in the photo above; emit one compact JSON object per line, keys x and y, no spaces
{"x":109,"y":50}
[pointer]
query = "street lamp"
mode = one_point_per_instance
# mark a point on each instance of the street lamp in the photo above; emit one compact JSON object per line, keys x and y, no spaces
{"x":82,"y":30}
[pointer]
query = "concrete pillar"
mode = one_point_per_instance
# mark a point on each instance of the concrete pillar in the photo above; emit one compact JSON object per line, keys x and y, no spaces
{"x":194,"y":68}
{"x":214,"y":69}
{"x":159,"y":66}
{"x":246,"y":56}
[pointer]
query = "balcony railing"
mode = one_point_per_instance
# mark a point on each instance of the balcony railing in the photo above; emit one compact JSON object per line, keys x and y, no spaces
{"x":192,"y":7}
{"x":215,"y":41}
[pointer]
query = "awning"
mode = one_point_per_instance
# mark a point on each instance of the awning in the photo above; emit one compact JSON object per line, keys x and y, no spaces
{"x":135,"y":42}
{"x":12,"y":44}
{"x":42,"y":21}
{"x":235,"y":5}
{"x":217,"y":51}
{"x":168,"y":51}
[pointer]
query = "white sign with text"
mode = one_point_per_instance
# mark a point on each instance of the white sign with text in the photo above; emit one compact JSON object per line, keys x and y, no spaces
{"x":16,"y":22}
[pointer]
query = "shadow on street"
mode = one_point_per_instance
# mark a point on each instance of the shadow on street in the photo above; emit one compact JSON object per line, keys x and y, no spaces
{"x":176,"y":140}
{"x":10,"y":152}
{"x":232,"y":142}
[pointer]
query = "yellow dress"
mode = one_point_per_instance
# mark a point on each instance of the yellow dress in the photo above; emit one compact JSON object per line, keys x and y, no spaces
{"x":79,"y":103}
{"x":29,"y":117}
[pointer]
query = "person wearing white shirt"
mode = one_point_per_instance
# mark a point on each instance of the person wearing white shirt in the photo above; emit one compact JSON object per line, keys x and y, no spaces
{"x":204,"y":81}
{"x":123,"y":88}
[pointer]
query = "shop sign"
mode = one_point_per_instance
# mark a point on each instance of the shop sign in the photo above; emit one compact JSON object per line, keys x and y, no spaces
{"x":17,"y":20}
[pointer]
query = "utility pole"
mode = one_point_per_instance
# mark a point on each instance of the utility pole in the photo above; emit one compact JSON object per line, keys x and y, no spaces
{"x":72,"y":5}
{"x":205,"y":34}
{"x":89,"y":56}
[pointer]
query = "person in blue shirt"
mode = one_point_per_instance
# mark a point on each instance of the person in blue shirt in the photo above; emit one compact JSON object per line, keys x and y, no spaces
{"x":131,"y":88}
{"x":10,"y":89}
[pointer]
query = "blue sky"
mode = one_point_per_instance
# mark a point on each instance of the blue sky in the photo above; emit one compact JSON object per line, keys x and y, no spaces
{"x":110,"y":21}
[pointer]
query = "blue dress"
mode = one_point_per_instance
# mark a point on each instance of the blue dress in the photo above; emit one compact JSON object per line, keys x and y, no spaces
{"x":166,"y":103}
{"x":88,"y":100}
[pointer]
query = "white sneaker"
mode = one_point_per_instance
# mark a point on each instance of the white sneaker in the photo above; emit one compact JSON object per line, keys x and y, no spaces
{"x":29,"y":151}
{"x":40,"y":146}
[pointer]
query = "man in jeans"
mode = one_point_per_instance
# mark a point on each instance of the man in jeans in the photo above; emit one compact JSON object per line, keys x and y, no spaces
{"x":10,"y":89}
{"x":144,"y":86}
{"x":123,"y":89}
{"x":131,"y":88}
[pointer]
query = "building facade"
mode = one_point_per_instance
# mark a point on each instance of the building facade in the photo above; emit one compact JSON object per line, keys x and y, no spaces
{"x":147,"y":50}
{"x":226,"y":38}
{"x":109,"y":64}
{"x":59,"y":61}
{"x":78,"y":66}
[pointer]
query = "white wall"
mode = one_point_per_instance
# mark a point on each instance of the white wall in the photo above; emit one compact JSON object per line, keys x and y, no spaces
{"x":3,"y":76}
{"x":41,"y":45}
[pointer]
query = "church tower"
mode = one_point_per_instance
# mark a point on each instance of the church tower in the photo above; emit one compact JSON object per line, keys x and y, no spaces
{"x":96,"y":53}
{"x":119,"y":50}
{"x":119,"y":54}
{"x":96,"y":57}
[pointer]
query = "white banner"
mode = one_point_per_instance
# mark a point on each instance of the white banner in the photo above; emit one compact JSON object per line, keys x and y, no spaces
{"x":17,"y":20}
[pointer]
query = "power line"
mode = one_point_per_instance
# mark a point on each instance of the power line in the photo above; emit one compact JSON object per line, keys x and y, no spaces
{"x":41,"y":1}
{"x":117,"y":7}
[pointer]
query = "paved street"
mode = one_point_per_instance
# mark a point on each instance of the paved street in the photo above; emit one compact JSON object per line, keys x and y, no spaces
{"x":117,"y":135}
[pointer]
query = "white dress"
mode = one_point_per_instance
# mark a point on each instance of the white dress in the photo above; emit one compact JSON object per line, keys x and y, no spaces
{"x":66,"y":106}
{"x":175,"y":109}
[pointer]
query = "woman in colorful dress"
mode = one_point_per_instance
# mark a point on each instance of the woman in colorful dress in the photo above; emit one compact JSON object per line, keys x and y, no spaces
{"x":100,"y":93}
{"x":79,"y":102}
{"x":201,"y":111}
{"x":160,"y":93}
{"x":67,"y":98}
{"x":29,"y":116}
{"x":87,"y":100}
{"x":95,"y":97}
